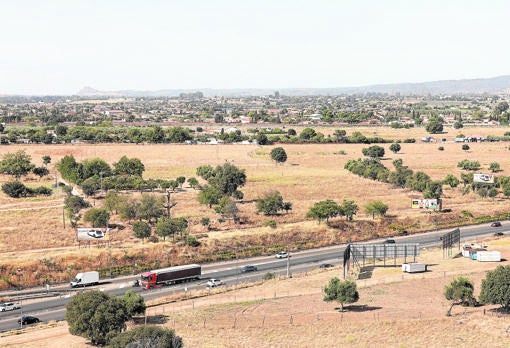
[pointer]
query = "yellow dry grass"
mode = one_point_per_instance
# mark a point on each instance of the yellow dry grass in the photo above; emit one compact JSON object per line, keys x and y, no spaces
{"x":312,"y":172}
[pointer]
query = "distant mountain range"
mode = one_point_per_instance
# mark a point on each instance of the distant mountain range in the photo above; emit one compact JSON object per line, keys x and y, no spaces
{"x":494,"y":85}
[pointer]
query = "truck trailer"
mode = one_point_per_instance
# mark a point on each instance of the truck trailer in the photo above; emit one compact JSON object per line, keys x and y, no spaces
{"x":414,"y":267}
{"x":85,"y":279}
{"x":170,"y":275}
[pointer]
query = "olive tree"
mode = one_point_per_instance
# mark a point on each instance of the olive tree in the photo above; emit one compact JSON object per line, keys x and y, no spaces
{"x":376,"y":208}
{"x":324,"y":210}
{"x":96,"y":315}
{"x":142,"y":230}
{"x":17,"y":164}
{"x":341,"y":291}
{"x":459,"y":291}
{"x":278,"y":155}
{"x":496,"y":287}
{"x":147,"y":336}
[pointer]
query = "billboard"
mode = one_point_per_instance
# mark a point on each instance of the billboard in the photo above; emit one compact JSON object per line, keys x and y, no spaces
{"x":483,"y":178}
{"x":90,"y":234}
{"x":426,"y":204}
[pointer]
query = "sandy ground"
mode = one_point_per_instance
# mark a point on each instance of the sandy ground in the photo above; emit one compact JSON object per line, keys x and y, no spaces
{"x":394,"y":310}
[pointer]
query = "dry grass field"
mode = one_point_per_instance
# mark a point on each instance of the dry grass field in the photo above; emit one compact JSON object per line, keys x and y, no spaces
{"x":32,"y":230}
{"x":394,"y":310}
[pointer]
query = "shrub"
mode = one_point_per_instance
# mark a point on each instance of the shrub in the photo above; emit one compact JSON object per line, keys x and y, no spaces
{"x":15,"y":189}
{"x":192,"y":241}
{"x":269,"y":223}
{"x":43,"y":190}
{"x":440,"y":148}
{"x":269,"y":276}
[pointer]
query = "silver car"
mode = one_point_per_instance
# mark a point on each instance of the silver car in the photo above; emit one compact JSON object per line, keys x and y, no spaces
{"x":8,"y":306}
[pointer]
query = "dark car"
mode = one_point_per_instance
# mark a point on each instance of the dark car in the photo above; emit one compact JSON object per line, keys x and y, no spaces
{"x":326,"y":265}
{"x":249,"y":268}
{"x":499,"y":234}
{"x":496,"y":224}
{"x":28,"y":319}
{"x":389,"y":241}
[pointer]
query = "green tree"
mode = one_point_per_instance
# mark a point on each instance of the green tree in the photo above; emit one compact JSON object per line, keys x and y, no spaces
{"x":151,"y":206}
{"x":95,"y":167}
{"x":129,"y":208}
{"x":434,"y":126}
{"x":496,"y":287}
{"x":17,"y":164}
{"x":193,"y":183}
{"x":134,"y":303}
{"x":41,"y":171}
{"x":270,"y":204}
{"x":128,"y":166}
{"x":459,"y":291}
{"x":227,"y":179}
{"x":494,"y":167}
{"x":324,"y":210}
{"x":395,"y":147}
{"x":98,"y":217}
{"x":374,"y":151}
{"x":142,"y":230}
{"x":112,"y":201}
{"x":451,"y":180}
{"x":147,"y":336}
{"x":180,"y":180}
{"x":307,"y":134}
{"x":167,"y":227}
{"x":376,"y":208}
{"x":339,"y":135}
{"x":349,"y":209}
{"x":96,"y":316}
{"x":209,"y":195}
{"x":493,"y":192}
{"x":278,"y":155}
{"x":46,"y":160}
{"x":90,"y":185}
{"x":434,"y":189}
{"x":343,"y":292}
{"x":227,"y":208}
{"x":69,"y":169}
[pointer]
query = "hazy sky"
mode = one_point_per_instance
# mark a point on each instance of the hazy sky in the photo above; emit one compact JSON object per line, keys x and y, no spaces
{"x":60,"y":46}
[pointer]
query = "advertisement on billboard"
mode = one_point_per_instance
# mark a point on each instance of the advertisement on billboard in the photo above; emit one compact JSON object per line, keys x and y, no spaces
{"x":425,"y":204}
{"x":483,"y":178}
{"x":90,"y":234}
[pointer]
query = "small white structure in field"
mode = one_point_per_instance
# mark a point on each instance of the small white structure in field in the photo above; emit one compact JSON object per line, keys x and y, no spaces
{"x":488,"y":256}
{"x":414,"y":267}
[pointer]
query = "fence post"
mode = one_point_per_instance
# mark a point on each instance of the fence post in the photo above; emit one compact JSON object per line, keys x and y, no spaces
{"x":263,"y":320}
{"x":291,"y":319}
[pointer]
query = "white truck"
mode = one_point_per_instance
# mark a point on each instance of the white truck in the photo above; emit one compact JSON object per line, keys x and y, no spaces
{"x":85,"y":279}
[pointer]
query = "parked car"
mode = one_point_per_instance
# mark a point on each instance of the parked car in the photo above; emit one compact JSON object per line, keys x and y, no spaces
{"x":8,"y":306}
{"x":389,"y":241}
{"x":249,"y":268}
{"x":28,"y":319}
{"x":499,"y":234}
{"x":212,"y":283}
{"x":496,"y":224}
{"x":326,"y":265}
{"x":282,"y":255}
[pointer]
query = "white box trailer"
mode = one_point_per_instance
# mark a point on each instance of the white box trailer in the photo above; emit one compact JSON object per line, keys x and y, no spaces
{"x":488,"y":256}
{"x":414,"y":267}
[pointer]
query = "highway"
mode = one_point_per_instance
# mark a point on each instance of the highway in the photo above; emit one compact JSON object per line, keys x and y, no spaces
{"x":53,"y":308}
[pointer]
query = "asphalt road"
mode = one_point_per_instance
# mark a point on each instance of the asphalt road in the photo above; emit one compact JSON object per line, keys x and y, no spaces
{"x":52,"y":308}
